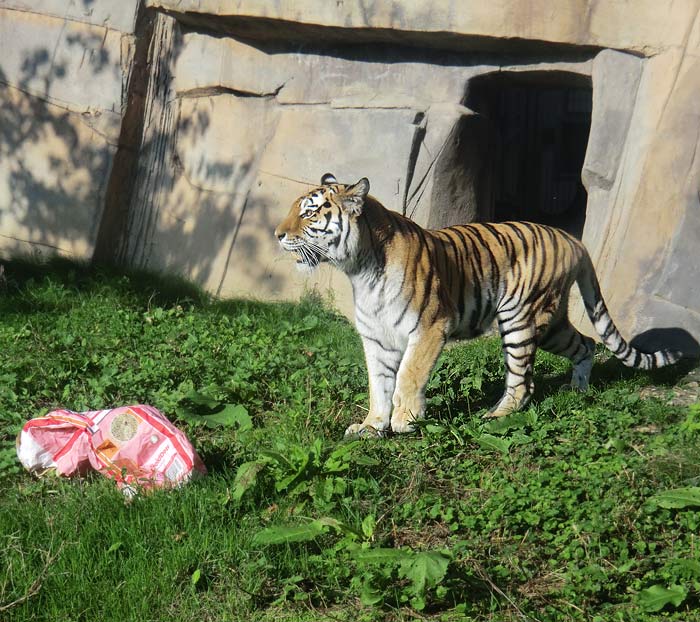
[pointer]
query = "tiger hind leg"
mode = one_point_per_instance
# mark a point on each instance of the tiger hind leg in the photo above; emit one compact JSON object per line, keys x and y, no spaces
{"x":565,"y":340}
{"x":519,"y":346}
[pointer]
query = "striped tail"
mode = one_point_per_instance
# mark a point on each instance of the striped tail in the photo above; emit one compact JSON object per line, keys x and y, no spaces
{"x":605,"y":327}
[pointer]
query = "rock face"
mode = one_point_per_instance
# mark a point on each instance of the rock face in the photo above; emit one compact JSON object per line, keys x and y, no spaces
{"x":63,"y":73}
{"x":174,"y":135}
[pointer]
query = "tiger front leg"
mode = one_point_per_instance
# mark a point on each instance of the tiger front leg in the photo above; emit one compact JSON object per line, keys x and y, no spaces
{"x":424,"y":347}
{"x":382,"y":365}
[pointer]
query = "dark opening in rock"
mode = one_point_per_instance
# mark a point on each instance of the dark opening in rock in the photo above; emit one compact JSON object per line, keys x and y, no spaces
{"x":538,"y":131}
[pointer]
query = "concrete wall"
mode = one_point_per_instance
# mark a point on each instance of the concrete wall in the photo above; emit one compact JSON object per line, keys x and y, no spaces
{"x":175,"y":135}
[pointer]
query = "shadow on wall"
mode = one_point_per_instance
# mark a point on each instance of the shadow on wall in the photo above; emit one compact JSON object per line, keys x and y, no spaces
{"x":59,"y":167}
{"x":214,"y":238}
{"x":187,"y":207}
{"x":53,"y":164}
{"x":667,"y":338}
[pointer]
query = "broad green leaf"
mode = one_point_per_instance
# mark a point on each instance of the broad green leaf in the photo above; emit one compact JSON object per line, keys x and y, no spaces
{"x":196,"y":576}
{"x":246,"y":475}
{"x":368,"y":525}
{"x":431,"y":428}
{"x":338,"y":459}
{"x":293,"y":533}
{"x":515,"y":421}
{"x":294,"y":478}
{"x":370,"y":595}
{"x":493,"y":443}
{"x":202,"y":399}
{"x":229,"y":415}
{"x":656,"y":597}
{"x":337,"y":525}
{"x":309,"y":323}
{"x":425,"y":570}
{"x":691,"y":565}
{"x":232,"y":414}
{"x":276,"y":457}
{"x":678,"y":498}
{"x":382,"y":555}
{"x":518,"y":438}
{"x":364,"y":460}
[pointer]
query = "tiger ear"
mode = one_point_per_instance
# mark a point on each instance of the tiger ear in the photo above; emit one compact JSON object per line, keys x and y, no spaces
{"x":328,"y":178}
{"x":353,"y":198}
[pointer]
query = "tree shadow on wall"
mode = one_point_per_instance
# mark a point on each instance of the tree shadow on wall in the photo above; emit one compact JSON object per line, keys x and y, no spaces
{"x":190,"y":212}
{"x":212,"y":237}
{"x":53,"y":162}
{"x":56,"y":160}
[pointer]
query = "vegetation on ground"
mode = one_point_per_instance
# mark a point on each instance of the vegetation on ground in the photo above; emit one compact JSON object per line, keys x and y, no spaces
{"x":583,"y":507}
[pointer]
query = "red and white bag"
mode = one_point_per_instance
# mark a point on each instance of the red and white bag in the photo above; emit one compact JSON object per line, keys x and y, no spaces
{"x":134,"y":445}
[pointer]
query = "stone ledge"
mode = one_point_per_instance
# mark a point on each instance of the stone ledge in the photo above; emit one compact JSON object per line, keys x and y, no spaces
{"x":644,"y":27}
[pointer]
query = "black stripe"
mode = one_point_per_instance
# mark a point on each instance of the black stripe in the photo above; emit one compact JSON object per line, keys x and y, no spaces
{"x":524,"y":383}
{"x":426,"y":292}
{"x":519,"y":344}
{"x":386,"y":376}
{"x":474,"y":229}
{"x":413,"y":290}
{"x":516,"y":229}
{"x":520,"y":357}
{"x":620,"y":348}
{"x":476,"y":313}
{"x":555,"y":247}
{"x":460,"y":276}
{"x":507,"y":331}
{"x":386,"y":366}
{"x":343,"y":234}
{"x":379,"y":343}
{"x":609,"y":330}
{"x":405,"y":308}
{"x":475,"y":263}
{"x":515,"y":373}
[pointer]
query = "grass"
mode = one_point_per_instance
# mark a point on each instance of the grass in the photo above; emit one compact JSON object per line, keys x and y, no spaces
{"x":553,"y":514}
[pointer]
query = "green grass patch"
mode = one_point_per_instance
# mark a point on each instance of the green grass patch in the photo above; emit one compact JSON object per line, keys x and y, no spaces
{"x":583,"y":507}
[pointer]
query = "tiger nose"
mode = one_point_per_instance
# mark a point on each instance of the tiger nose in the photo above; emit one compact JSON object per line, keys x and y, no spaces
{"x":280,"y":235}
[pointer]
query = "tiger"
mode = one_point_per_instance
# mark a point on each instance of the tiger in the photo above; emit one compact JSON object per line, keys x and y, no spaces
{"x":414,"y":289}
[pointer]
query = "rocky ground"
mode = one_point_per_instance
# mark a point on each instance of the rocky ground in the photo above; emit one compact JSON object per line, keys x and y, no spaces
{"x":684,"y":393}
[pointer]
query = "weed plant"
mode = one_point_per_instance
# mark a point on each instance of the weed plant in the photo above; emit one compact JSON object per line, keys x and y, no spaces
{"x":583,"y":507}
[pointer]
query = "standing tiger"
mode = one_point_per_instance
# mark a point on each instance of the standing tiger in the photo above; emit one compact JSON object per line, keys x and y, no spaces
{"x":414,"y":289}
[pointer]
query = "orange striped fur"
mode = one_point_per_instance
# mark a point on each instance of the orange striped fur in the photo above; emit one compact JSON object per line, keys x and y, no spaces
{"x":415,"y":288}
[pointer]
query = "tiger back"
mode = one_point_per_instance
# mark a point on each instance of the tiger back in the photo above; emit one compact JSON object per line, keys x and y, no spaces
{"x":415,"y":289}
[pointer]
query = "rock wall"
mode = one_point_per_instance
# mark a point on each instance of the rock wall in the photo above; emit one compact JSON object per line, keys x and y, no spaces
{"x":174,"y":134}
{"x":64,"y":70}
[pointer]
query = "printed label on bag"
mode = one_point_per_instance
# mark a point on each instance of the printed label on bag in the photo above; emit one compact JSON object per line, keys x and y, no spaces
{"x":124,"y":426}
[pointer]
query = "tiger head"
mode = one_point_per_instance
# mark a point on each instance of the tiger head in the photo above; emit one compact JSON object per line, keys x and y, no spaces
{"x":321,"y":225}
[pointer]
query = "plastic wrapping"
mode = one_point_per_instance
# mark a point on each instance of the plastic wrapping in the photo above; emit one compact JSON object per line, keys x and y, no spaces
{"x":134,"y":445}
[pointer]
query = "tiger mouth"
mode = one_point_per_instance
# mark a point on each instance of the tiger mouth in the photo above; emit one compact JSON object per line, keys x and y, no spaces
{"x":307,"y":257}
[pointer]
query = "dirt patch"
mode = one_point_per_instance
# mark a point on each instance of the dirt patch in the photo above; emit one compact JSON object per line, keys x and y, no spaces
{"x":684,"y":393}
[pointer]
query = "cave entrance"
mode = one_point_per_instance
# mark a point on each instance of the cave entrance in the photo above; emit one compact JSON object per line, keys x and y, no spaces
{"x":538,"y":127}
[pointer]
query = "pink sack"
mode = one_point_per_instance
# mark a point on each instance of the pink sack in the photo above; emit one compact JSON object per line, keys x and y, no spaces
{"x":134,"y":445}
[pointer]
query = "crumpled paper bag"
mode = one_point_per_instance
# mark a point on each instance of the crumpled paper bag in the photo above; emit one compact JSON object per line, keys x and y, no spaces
{"x":134,"y":445}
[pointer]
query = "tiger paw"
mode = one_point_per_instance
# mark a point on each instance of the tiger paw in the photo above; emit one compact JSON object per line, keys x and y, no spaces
{"x":403,"y":423}
{"x":360,"y":430}
{"x":507,"y":405}
{"x":493,"y":414}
